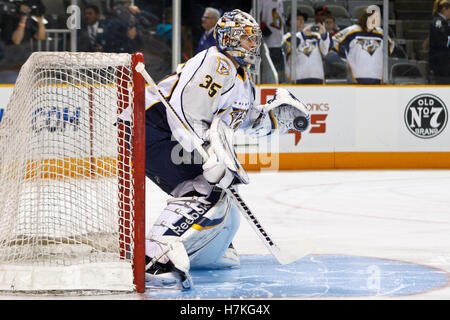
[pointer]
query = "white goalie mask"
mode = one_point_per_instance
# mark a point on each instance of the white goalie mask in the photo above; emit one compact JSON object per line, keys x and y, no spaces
{"x":231,"y":32}
{"x":373,"y":17}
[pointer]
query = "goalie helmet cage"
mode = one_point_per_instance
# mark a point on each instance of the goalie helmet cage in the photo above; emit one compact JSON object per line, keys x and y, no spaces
{"x":72,"y":175}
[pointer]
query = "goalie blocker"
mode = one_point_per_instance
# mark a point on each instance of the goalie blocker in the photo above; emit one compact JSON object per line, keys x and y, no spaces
{"x":283,"y":113}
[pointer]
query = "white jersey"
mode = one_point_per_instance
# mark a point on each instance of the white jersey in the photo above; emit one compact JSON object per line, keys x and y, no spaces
{"x":363,"y":51}
{"x":308,"y":55}
{"x":206,"y":86}
{"x":272,"y":16}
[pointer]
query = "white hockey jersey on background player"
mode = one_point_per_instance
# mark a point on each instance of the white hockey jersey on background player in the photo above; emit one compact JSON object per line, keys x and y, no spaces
{"x":362,"y":50}
{"x":308,"y":55}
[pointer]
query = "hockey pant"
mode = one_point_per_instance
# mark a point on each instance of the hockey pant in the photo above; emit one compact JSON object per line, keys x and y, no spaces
{"x":166,"y":163}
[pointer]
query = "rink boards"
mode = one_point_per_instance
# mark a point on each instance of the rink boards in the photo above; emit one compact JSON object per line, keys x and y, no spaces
{"x":352,"y":127}
{"x":359,"y":127}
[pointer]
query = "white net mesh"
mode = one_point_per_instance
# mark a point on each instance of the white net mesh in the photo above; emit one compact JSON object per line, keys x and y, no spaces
{"x":66,"y":196}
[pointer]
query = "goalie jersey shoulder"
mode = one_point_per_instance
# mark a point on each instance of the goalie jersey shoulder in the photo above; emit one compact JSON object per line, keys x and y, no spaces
{"x":217,"y":88}
{"x":203,"y":87}
{"x":208,"y":73}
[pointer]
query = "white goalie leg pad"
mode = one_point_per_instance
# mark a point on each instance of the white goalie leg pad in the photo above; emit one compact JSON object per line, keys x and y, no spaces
{"x":171,"y":215}
{"x":218,"y":253}
{"x":192,"y":221}
{"x":208,"y":228}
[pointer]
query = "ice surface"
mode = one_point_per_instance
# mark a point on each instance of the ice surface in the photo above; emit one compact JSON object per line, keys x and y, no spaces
{"x":399,"y":215}
{"x":400,"y":218}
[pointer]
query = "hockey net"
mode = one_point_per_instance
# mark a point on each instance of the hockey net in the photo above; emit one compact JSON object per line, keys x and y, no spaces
{"x":71,"y":176}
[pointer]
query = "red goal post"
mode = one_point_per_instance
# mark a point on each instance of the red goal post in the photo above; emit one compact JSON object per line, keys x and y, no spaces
{"x":72,"y":175}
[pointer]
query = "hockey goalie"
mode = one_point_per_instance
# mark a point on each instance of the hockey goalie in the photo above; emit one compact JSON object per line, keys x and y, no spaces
{"x":214,"y":96}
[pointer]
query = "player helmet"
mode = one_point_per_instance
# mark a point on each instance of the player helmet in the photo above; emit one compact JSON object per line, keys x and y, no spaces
{"x":229,"y":32}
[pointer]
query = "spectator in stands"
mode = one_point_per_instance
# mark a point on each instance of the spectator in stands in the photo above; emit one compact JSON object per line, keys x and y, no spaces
{"x":313,"y":42}
{"x":122,"y":29}
{"x":320,"y":13}
{"x":330,"y":24}
{"x":324,"y":16}
{"x":89,"y":36}
{"x":2,"y":44}
{"x":20,"y":22}
{"x":164,"y":29}
{"x":28,"y":22}
{"x":209,"y":20}
{"x":272,"y":27}
{"x":439,"y":41}
{"x":362,"y":47}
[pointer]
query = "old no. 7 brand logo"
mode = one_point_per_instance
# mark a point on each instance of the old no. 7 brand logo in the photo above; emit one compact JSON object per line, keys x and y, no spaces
{"x":426,"y":116}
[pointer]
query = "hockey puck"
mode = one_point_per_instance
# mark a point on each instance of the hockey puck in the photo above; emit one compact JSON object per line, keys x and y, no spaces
{"x":301,"y":123}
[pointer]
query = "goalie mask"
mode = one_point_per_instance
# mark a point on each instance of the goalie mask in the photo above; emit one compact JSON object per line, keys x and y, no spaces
{"x":238,"y":34}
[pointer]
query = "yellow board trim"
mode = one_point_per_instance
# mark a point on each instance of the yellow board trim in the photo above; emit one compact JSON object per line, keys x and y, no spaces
{"x":105,"y":167}
{"x":87,"y":167}
{"x":72,"y":168}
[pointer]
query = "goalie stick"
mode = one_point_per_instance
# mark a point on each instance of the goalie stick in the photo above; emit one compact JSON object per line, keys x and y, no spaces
{"x":284,"y":256}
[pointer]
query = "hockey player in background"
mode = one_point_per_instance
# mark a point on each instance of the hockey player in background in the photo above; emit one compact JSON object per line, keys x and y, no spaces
{"x":362,"y":46}
{"x":211,"y":90}
{"x":313,"y":43}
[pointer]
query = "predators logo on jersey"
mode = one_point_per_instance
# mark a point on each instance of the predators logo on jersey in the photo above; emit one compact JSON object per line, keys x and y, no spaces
{"x":369,"y":45}
{"x":233,"y":116}
{"x":307,"y":47}
{"x":237,"y":117}
{"x":223,"y":67}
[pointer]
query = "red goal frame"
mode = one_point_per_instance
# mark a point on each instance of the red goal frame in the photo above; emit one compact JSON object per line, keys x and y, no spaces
{"x":133,"y":234}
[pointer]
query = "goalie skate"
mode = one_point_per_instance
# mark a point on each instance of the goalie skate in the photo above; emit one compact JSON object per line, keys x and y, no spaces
{"x":166,"y":276}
